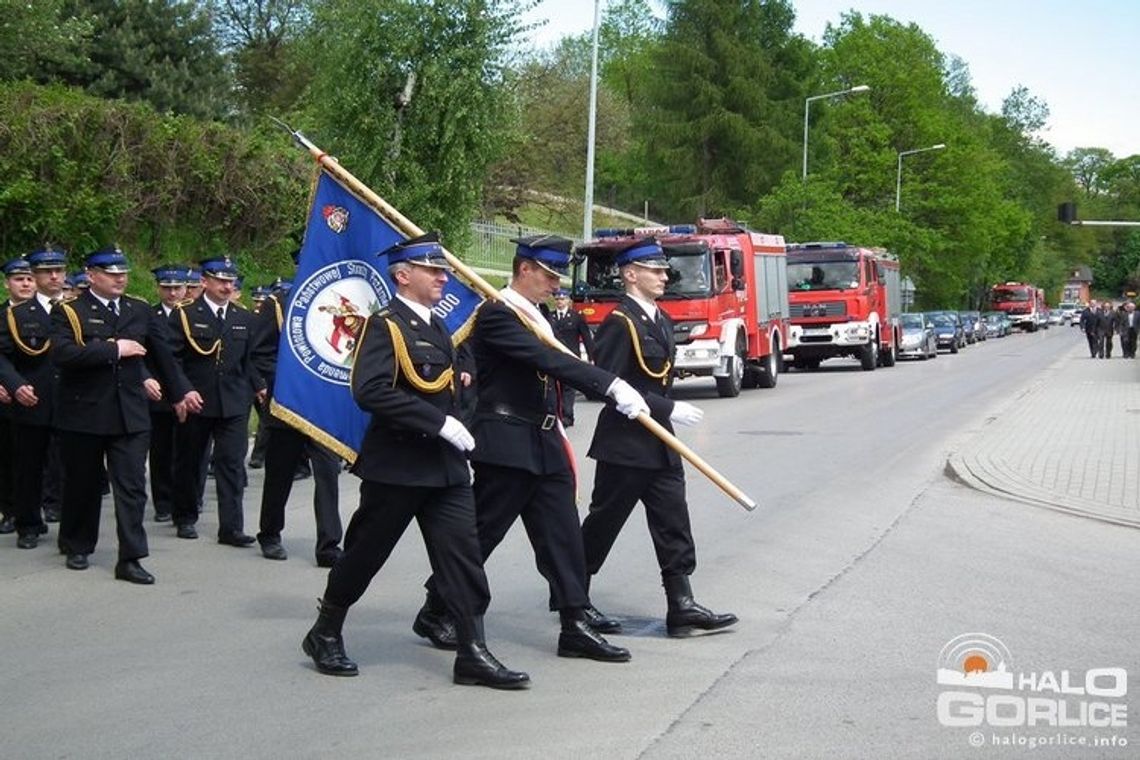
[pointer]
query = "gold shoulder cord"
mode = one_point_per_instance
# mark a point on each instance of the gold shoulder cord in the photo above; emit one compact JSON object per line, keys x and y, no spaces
{"x":20,"y":343}
{"x":277,"y":312}
{"x":664,"y":373}
{"x":193,"y":343}
{"x":404,"y":363}
{"x":73,"y":320}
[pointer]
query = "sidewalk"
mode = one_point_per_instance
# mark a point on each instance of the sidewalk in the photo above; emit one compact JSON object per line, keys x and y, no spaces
{"x":1070,"y":441}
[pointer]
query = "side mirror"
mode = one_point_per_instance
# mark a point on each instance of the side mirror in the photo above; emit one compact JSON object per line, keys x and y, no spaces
{"x":736,"y":265}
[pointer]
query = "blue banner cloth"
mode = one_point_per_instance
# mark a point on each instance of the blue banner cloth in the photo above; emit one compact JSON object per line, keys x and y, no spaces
{"x":340,"y":282}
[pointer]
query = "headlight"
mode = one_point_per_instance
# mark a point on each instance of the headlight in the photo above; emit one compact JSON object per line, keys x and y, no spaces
{"x":699,"y":330}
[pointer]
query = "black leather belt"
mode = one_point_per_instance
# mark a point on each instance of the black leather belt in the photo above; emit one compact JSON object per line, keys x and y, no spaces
{"x":544,"y":421}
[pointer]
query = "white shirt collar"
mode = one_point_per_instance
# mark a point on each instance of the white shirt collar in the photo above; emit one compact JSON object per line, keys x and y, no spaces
{"x":215,"y":306}
{"x":421,"y":311}
{"x":44,"y":301}
{"x":649,"y":307}
{"x":105,"y":301}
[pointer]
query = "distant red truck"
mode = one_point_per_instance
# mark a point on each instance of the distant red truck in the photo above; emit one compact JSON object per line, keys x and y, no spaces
{"x":727,"y":297}
{"x":1024,"y":303}
{"x":844,"y":301}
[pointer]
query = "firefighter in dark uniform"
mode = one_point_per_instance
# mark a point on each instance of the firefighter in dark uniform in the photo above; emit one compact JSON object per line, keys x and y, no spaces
{"x":412,"y":465}
{"x":171,"y":281}
{"x":572,"y":331}
{"x":286,"y":448}
{"x":30,"y":378}
{"x":523,"y":467}
{"x":213,"y":340}
{"x":21,"y":287}
{"x":636,"y":342}
{"x":99,"y":341}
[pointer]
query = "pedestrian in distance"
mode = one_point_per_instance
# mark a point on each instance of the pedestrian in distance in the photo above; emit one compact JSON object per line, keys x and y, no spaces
{"x":1105,"y":329}
{"x":523,"y":466}
{"x":1089,"y":322}
{"x":99,"y":342}
{"x":412,"y":464}
{"x":572,"y":331}
{"x":636,"y":343}
{"x":1130,"y":324}
{"x":213,"y":341}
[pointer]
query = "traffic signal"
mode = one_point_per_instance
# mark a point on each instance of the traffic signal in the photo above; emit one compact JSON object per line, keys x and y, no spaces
{"x":1067,"y":212}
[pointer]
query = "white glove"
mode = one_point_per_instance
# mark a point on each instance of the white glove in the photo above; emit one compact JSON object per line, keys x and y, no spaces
{"x":629,"y":402}
{"x":456,"y":434}
{"x":685,"y":413}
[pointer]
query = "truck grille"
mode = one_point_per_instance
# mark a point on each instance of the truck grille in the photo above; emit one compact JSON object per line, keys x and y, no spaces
{"x":821,"y":309}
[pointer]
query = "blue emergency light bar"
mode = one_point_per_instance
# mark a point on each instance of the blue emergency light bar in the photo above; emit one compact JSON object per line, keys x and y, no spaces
{"x":675,"y":229}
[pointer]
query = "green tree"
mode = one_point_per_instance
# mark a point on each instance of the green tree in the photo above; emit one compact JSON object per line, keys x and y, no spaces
{"x":261,"y":38}
{"x":34,"y":35}
{"x":410,"y":96}
{"x":720,"y":118}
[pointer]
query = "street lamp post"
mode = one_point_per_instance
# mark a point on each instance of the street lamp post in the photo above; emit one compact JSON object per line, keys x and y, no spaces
{"x":807,"y":110}
{"x":898,"y":176}
{"x":588,"y":201}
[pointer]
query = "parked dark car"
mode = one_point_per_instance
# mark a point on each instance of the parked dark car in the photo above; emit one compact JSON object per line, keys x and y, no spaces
{"x":972,"y":326}
{"x":918,"y":338}
{"x":948,"y":330}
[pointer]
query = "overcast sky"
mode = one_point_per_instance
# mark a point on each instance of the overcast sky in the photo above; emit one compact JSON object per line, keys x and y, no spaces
{"x":1081,"y":57}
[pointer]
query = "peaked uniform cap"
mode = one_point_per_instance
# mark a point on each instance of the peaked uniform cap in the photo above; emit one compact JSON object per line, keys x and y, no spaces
{"x":646,"y":252}
{"x":18,"y":265}
{"x":424,"y":251}
{"x":220,"y":268}
{"x":551,"y":252}
{"x":48,"y":258}
{"x":170,"y":275}
{"x":110,"y":260}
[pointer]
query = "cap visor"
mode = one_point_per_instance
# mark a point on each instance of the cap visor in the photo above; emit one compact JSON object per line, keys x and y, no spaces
{"x":551,"y":269}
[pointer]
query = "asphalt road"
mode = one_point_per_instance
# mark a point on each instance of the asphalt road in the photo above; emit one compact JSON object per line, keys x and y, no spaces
{"x":861,"y":562}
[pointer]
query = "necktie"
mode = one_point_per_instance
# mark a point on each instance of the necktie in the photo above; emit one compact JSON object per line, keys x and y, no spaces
{"x":114,"y":307}
{"x":221,"y":314}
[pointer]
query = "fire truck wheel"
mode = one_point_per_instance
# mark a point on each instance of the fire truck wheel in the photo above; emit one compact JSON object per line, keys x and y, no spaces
{"x":869,"y":356}
{"x":890,"y":356}
{"x":729,"y":386}
{"x":769,"y":371}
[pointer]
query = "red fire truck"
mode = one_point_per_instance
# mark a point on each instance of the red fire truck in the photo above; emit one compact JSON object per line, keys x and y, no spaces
{"x":844,"y":301}
{"x":1025,"y":304}
{"x":727,"y":297}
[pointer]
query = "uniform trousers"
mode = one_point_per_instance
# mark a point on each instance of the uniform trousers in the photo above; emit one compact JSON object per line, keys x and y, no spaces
{"x":446,"y":517}
{"x":162,"y":461}
{"x":83,"y":456}
{"x":617,"y":489}
{"x":52,"y":490}
{"x":284,"y":449}
{"x":229,"y":436}
{"x":546,"y":505}
{"x":1095,"y":347}
{"x":29,"y":463}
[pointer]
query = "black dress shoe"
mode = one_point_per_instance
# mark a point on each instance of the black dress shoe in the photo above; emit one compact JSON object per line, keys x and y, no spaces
{"x":436,"y":627}
{"x":685,"y":615}
{"x":186,"y":531}
{"x":273,"y":551}
{"x":599,"y":622}
{"x":131,"y":571}
{"x":76,"y":562}
{"x":256,"y":463}
{"x":162,"y":517}
{"x":578,"y":639}
{"x":28,"y":541}
{"x":235,"y":539}
{"x":51,"y":515}
{"x":476,"y":666}
{"x":7,"y":525}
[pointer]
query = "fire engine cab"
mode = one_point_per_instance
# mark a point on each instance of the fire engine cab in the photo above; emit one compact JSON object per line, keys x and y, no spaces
{"x":727,"y":297}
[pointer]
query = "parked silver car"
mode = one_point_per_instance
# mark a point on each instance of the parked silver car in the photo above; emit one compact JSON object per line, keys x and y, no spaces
{"x":918,"y":338}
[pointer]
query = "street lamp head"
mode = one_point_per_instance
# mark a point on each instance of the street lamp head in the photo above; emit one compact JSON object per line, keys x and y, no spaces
{"x":860,"y":88}
{"x":939,"y":146}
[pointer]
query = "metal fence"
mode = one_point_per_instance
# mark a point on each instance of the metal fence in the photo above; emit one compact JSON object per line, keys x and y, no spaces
{"x":492,"y":249}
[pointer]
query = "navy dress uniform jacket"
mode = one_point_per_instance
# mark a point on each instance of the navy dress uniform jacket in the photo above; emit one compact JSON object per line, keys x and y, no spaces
{"x":216,"y":356}
{"x":267,"y":337}
{"x":402,"y":443}
{"x":99,"y":393}
{"x":25,"y":342}
{"x":518,"y":396}
{"x":618,"y":439}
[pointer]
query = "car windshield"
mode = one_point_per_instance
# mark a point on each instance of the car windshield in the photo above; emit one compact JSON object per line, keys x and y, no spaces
{"x":942,"y":320}
{"x":911,"y":320}
{"x":823,"y":275}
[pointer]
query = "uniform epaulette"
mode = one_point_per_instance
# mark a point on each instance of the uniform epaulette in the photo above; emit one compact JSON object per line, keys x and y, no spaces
{"x":240,"y":305}
{"x":383,"y":312}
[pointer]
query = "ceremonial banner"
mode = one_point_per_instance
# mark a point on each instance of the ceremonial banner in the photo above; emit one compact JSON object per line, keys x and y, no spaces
{"x":340,"y":282}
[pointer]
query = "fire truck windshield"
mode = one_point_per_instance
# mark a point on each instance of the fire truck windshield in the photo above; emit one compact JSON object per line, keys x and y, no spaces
{"x":688,"y":272}
{"x":1007,"y":295}
{"x":823,"y":275}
